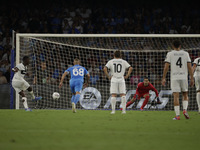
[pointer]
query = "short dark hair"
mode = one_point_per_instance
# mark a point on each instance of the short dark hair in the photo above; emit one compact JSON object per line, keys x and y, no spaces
{"x":25,"y":58}
{"x":117,"y":54}
{"x":176,"y":43}
{"x":146,"y":77}
{"x":76,"y":59}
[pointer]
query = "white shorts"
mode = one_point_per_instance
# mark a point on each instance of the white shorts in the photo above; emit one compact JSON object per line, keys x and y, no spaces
{"x":117,"y":86}
{"x":20,"y":85}
{"x":197,"y":83}
{"x":179,"y":85}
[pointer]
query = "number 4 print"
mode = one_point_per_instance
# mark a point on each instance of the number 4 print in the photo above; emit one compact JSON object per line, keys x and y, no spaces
{"x":179,"y":62}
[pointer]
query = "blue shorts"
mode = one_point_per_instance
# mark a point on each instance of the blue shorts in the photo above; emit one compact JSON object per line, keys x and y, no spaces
{"x":76,"y":86}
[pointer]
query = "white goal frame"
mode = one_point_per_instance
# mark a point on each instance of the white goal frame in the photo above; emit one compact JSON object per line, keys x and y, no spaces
{"x":18,"y":35}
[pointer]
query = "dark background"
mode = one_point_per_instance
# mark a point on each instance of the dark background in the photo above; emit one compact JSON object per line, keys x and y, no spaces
{"x":147,"y":16}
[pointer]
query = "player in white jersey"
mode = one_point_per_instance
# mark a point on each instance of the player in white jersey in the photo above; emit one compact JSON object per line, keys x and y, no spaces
{"x":117,"y":67}
{"x":20,"y":85}
{"x":180,"y":65}
{"x":196,"y":71}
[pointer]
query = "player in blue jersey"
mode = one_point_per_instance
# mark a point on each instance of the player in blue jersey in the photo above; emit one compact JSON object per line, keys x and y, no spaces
{"x":77,"y":73}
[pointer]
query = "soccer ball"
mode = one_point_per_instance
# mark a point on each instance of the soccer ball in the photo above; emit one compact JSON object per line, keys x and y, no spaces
{"x":56,"y":95}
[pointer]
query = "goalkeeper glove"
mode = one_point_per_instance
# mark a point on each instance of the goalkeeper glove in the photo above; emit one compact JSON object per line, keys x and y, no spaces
{"x":158,"y":100}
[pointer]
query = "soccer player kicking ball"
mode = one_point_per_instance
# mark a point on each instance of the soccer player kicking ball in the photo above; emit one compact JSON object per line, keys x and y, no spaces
{"x":180,"y":65}
{"x":117,"y":68}
{"x":142,"y":90}
{"x":196,"y":71}
{"x":19,"y":84}
{"x":77,"y":73}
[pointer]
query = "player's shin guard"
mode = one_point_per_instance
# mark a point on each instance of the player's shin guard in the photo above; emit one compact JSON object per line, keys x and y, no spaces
{"x":113,"y":103}
{"x":123,"y":99}
{"x":24,"y":100}
{"x":185,"y":104}
{"x":76,"y":98}
{"x":198,"y":100}
{"x":73,"y":98}
{"x":32,"y":94}
{"x":145,"y":101}
{"x":177,"y":110}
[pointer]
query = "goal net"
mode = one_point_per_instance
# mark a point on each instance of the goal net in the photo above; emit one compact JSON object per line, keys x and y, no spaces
{"x":52,"y":54}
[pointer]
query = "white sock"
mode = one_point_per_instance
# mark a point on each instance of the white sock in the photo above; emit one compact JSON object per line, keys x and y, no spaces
{"x":177,"y":110}
{"x":24,"y":99}
{"x":32,"y":94}
{"x":185,"y":104}
{"x":113,"y":103}
{"x":123,"y":99}
{"x":74,"y":105}
{"x":198,"y":100}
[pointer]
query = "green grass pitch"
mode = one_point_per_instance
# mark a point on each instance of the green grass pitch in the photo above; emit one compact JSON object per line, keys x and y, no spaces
{"x":97,"y":130}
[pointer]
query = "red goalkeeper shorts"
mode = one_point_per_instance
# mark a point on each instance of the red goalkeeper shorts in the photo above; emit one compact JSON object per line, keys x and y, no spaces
{"x":139,"y":95}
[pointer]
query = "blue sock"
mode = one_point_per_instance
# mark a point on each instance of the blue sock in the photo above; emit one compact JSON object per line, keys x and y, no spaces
{"x":76,"y":99}
{"x":73,"y":98}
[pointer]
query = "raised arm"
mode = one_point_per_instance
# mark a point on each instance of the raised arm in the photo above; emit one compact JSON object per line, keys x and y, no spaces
{"x":191,"y":73}
{"x":62,"y":79}
{"x":166,"y":68}
{"x":129,"y":72}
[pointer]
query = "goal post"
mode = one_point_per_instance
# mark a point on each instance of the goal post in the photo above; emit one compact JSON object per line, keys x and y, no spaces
{"x":17,"y":60}
{"x":51,"y":54}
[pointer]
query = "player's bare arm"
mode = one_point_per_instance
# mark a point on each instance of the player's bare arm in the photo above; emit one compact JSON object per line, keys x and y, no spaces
{"x":191,"y":73}
{"x":87,"y":80}
{"x":193,"y":68}
{"x":157,"y":96}
{"x":129,"y":72}
{"x":34,"y":80}
{"x":166,"y":68}
{"x":105,"y":69}
{"x":62,"y":79}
